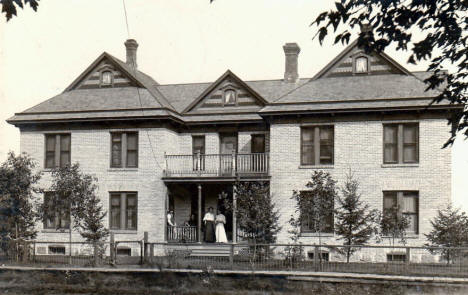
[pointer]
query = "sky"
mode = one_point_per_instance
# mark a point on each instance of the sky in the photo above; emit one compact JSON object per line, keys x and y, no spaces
{"x":180,"y":41}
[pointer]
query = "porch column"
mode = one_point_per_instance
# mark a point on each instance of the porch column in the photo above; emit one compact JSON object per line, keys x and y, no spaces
{"x":234,"y":211}
{"x":199,"y":222}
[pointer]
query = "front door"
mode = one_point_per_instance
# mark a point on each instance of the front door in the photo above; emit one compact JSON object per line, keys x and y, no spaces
{"x":228,"y":148}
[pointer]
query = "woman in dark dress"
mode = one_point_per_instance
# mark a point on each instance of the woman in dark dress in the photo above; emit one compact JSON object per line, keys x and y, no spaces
{"x":209,"y":226}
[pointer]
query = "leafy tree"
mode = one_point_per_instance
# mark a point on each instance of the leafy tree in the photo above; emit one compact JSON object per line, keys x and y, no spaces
{"x":393,"y":225}
{"x":9,"y":6}
{"x":18,"y":184}
{"x":75,"y":192}
{"x":314,"y":205}
{"x":431,"y":30}
{"x":449,"y":229}
{"x":354,"y":221}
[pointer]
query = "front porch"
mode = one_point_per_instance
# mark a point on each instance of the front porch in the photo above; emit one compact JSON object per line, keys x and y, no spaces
{"x":190,"y":201}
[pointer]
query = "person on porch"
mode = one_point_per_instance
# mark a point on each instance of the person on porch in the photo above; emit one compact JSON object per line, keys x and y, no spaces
{"x":209,"y":226}
{"x":220,"y":232}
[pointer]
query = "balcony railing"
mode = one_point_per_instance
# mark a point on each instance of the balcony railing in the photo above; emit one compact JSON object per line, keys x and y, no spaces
{"x":182,"y":234}
{"x":217,"y":165}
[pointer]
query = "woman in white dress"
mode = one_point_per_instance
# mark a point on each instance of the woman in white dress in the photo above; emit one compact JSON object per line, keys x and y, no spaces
{"x":220,"y":232}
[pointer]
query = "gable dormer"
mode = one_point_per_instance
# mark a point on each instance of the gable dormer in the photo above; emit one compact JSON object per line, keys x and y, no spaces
{"x":106,"y":74}
{"x":353,"y":61}
{"x":227,"y":94}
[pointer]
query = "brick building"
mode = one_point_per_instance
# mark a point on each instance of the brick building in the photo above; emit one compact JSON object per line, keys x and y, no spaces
{"x":176,"y":147}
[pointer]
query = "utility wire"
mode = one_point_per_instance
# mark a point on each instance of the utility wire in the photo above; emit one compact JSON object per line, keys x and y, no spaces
{"x":126,"y":19}
{"x":139,"y":95}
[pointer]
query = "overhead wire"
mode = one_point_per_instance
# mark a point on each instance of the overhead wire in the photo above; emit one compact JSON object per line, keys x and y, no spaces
{"x":138,"y":92}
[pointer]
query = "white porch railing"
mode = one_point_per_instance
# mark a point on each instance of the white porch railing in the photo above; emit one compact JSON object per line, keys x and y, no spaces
{"x":217,"y":164}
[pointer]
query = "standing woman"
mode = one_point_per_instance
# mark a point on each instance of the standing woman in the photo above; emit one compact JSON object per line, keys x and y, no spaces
{"x":209,"y":226}
{"x":220,"y":232}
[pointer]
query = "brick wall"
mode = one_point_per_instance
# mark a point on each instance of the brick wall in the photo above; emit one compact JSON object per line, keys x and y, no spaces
{"x":358,"y":148}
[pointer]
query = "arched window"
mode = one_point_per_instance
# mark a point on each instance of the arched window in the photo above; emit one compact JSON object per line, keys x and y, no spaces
{"x":230,"y":96}
{"x":361,"y":64}
{"x":106,"y":78}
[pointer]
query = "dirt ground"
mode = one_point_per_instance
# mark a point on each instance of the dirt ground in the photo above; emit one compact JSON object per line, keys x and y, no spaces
{"x":67,"y":282}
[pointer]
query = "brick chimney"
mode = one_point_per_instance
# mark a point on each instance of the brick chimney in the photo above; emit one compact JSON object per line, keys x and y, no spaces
{"x":131,"y":45}
{"x":291,"y":51}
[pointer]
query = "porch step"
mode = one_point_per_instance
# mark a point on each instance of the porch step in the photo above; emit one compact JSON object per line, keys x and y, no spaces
{"x":205,"y":250}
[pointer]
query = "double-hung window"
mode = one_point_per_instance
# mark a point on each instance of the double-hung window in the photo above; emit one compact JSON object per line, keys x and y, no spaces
{"x":124,"y":149}
{"x":407,"y":203}
{"x":317,"y":145}
{"x":319,"y":218}
{"x":57,"y":150}
{"x":123,"y":211}
{"x":55,"y":219}
{"x":401,"y":143}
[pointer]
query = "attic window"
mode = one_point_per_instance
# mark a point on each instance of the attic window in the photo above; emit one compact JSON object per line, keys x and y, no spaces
{"x":106,"y":78}
{"x":230,"y":96}
{"x":361,"y":64}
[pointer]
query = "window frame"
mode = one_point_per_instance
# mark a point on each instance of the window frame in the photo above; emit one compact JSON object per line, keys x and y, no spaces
{"x":62,"y":218}
{"x":312,"y":231}
{"x":57,"y":162}
{"x":400,"y":144}
{"x":317,"y":144}
{"x":399,"y":197}
{"x":355,"y":60}
{"x":124,"y":149}
{"x":111,"y":75}
{"x":123,"y":211}
{"x":225,"y":91}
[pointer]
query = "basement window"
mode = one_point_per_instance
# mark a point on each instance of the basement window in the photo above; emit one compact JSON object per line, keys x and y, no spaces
{"x":325,"y":255}
{"x":396,"y":257}
{"x":57,"y":250}
{"x":124,"y":251}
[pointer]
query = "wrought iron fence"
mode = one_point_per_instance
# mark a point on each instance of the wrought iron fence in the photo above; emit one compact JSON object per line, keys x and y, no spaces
{"x":400,"y":260}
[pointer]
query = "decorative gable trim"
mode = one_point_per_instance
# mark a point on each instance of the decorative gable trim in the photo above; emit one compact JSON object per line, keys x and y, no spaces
{"x":104,"y":56}
{"x":217,"y":83}
{"x":347,"y":50}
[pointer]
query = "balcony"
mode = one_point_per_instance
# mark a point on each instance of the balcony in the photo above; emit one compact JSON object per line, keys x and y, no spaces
{"x":251,"y":165}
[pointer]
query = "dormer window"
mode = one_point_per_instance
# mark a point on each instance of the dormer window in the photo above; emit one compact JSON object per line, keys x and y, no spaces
{"x":361,"y":64}
{"x":230,"y":96}
{"x":106,"y":78}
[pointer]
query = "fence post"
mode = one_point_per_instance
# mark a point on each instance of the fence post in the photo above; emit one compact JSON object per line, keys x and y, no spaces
{"x":151,"y":252}
{"x":34,"y":251}
{"x":142,"y":244}
{"x":112,"y":248}
{"x":145,"y":246}
{"x":316,"y":258}
{"x":231,"y":255}
{"x":408,"y":257}
{"x":96,"y":254}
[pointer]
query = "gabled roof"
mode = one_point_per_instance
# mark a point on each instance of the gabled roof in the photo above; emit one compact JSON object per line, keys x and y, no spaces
{"x":141,"y":79}
{"x":216,"y":83}
{"x":353,"y":46}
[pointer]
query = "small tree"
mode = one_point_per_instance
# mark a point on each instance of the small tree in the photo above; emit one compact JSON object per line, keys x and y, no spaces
{"x":449,"y":229}
{"x":17,"y":187}
{"x":354,"y":221}
{"x":314,"y":205}
{"x":393,"y":224}
{"x":18,"y":184}
{"x":75,"y":192}
{"x":256,"y":215}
